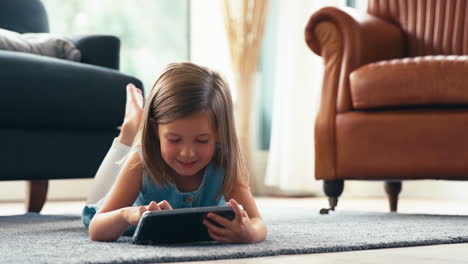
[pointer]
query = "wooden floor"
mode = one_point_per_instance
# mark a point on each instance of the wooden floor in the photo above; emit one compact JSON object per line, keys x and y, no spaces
{"x":453,"y":253}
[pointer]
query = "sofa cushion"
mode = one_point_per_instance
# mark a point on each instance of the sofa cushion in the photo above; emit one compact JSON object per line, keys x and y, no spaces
{"x":44,"y":44}
{"x":410,"y":82}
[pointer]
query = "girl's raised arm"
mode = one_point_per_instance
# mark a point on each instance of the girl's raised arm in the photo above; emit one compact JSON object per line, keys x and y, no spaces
{"x":116,"y":214}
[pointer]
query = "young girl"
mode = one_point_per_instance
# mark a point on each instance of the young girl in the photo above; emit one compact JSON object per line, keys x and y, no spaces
{"x":187,"y":155}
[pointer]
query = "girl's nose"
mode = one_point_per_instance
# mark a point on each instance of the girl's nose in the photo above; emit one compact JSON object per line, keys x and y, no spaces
{"x":187,"y":151}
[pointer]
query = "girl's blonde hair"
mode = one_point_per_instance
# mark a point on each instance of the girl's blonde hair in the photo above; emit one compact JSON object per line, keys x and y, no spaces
{"x":181,"y":90}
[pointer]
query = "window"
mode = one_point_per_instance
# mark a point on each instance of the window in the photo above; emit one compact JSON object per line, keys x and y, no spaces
{"x":152,"y":33}
{"x":267,"y":69}
{"x":358,"y":4}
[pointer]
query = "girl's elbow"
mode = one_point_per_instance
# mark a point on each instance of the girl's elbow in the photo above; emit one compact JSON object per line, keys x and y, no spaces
{"x":262,"y":236}
{"x":260,"y":231}
{"x":92,"y":231}
{"x":101,"y":238}
{"x":95,"y":235}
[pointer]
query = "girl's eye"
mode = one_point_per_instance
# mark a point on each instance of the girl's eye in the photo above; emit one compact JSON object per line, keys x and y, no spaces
{"x":173,"y":140}
{"x":202,"y":141}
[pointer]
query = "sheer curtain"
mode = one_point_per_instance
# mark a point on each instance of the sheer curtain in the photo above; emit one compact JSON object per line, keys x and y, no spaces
{"x":290,"y":167}
{"x":245,"y":24}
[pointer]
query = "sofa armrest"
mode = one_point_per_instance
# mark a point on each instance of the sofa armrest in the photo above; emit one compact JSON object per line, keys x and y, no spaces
{"x":40,"y":92}
{"x":347,"y":39}
{"x":100,"y":50}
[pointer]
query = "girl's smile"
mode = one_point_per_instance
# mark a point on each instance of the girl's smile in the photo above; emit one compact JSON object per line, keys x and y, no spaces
{"x":187,"y":164}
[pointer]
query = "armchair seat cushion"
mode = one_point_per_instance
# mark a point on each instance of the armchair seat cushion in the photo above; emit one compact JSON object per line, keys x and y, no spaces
{"x":411,"y":82}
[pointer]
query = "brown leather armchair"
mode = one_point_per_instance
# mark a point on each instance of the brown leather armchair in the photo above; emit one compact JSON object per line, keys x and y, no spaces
{"x":394,"y":103}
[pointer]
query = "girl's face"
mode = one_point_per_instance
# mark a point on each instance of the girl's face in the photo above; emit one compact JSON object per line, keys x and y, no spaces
{"x":188,"y":144}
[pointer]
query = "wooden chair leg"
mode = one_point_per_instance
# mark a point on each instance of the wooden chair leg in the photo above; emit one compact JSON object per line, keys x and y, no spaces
{"x":36,"y":194}
{"x":393,"y":189}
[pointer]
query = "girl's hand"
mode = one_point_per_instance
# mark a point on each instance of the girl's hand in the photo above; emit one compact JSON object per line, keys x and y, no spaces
{"x":133,"y":214}
{"x":239,"y":230}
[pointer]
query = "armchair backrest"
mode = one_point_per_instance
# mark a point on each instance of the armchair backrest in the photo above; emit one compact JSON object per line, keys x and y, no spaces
{"x":23,"y":16}
{"x":431,"y":26}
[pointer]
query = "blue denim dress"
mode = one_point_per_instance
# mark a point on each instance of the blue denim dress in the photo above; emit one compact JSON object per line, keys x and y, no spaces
{"x":208,"y":194}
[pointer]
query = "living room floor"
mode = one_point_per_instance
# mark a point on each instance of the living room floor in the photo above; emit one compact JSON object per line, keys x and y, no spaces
{"x":452,"y":253}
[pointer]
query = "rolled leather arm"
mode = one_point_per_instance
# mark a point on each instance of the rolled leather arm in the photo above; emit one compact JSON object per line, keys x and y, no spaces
{"x":100,"y":50}
{"x":347,"y":39}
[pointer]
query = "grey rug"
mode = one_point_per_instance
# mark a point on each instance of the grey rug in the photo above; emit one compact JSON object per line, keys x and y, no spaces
{"x":34,"y":238}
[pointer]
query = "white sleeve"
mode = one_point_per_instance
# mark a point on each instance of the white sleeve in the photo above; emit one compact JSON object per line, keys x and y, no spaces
{"x":108,"y":171}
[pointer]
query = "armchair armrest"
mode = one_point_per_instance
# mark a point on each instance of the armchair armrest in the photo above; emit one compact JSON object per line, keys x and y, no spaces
{"x":348,"y":39}
{"x":100,"y":50}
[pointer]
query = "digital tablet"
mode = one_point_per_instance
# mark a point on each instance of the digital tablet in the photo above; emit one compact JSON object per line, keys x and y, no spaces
{"x":177,"y":225}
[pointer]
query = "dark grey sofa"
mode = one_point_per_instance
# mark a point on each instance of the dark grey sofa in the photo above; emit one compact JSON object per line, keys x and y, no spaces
{"x":57,"y":117}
